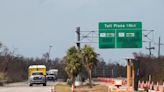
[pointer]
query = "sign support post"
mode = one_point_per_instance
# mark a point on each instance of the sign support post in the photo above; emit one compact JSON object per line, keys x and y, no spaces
{"x":128,"y":73}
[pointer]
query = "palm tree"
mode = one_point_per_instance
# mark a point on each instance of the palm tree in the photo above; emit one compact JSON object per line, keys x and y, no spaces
{"x":89,"y":61}
{"x":72,"y":62}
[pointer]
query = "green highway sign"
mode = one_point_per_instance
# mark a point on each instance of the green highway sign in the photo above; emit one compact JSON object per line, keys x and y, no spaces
{"x":120,"y":35}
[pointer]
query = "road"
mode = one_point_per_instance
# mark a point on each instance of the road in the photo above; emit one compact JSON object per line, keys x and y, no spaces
{"x":23,"y":87}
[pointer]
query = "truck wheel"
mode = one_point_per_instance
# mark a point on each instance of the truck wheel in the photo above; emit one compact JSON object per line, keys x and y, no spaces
{"x":44,"y":84}
{"x":30,"y":84}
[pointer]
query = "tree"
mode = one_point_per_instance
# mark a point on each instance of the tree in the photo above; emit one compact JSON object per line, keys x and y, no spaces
{"x":72,"y":62}
{"x":89,"y":61}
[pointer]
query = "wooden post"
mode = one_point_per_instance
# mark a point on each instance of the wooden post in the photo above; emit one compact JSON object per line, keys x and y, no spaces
{"x":133,"y":74}
{"x":128,"y":73}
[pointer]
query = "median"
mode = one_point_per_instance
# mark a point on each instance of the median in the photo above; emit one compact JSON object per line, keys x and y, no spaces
{"x":63,"y":87}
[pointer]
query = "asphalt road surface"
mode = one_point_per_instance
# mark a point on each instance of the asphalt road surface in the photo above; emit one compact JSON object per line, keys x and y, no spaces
{"x":23,"y":87}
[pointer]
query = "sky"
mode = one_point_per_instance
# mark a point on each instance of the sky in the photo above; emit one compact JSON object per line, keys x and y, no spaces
{"x":30,"y":26}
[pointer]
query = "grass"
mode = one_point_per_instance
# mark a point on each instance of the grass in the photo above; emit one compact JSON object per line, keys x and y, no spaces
{"x":63,"y":87}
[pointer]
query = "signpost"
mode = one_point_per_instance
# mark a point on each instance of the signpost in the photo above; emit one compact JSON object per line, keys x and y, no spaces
{"x":120,"y":35}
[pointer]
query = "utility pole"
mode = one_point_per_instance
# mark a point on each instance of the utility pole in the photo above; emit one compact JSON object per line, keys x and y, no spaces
{"x":159,"y":47}
{"x":150,"y":48}
{"x":78,"y":37}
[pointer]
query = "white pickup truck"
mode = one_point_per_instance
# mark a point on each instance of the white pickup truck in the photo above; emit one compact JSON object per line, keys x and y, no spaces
{"x":52,"y":74}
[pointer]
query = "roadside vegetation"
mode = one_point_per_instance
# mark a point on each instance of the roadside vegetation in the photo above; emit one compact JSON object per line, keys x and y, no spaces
{"x":72,"y":63}
{"x":75,"y":59}
{"x":14,"y":67}
{"x":150,"y":66}
{"x":87,"y":63}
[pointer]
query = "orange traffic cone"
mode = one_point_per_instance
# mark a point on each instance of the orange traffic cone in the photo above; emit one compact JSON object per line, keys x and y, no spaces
{"x":148,"y":84}
{"x":52,"y":89}
{"x":163,"y":87}
{"x":72,"y":88}
{"x":142,"y":85}
{"x":139,"y":84}
{"x":152,"y":85}
{"x":157,"y":87}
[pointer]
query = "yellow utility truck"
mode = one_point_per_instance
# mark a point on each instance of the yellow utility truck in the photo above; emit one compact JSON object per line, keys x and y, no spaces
{"x":37,"y":74}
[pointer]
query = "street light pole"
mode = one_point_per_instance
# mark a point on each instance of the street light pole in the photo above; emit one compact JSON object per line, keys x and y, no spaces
{"x":49,"y":52}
